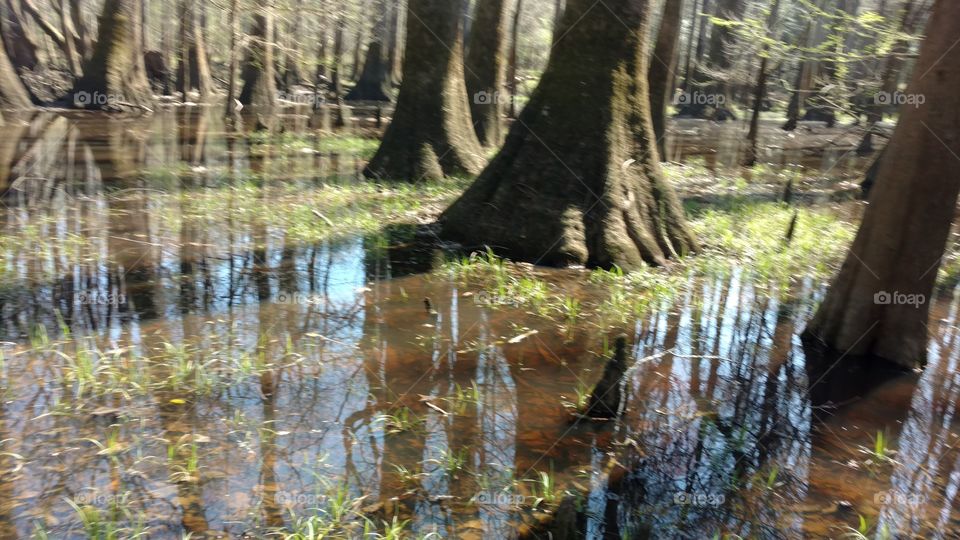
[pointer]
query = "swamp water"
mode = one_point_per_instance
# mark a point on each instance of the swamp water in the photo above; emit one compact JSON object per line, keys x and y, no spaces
{"x":176,"y":363}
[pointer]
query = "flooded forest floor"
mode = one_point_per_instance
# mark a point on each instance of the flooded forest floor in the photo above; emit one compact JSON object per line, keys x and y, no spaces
{"x":233,"y":334}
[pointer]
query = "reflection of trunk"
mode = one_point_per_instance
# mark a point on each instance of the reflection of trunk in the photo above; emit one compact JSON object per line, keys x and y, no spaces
{"x":259,"y":83}
{"x":430,"y":136}
{"x":551,"y":198}
{"x":115,"y":77}
{"x":486,"y":69}
{"x":662,"y":71}
{"x":868,"y":311}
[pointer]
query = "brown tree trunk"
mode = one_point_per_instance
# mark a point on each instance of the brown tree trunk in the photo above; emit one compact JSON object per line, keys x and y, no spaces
{"x":193,"y":71}
{"x":395,"y":52}
{"x":234,"y":57}
{"x":374,"y":81}
{"x":899,"y":247}
{"x":760,"y":90}
{"x":691,"y":41}
{"x":115,"y":76}
{"x":486,"y":70}
{"x":20,"y":44}
{"x":13,"y":95}
{"x":662,"y":72}
{"x":430,"y":136}
{"x":552,"y":198}
{"x":513,"y":58}
{"x":259,"y":82}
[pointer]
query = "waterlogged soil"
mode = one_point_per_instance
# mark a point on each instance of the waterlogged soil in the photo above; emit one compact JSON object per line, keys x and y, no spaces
{"x":235,"y":380}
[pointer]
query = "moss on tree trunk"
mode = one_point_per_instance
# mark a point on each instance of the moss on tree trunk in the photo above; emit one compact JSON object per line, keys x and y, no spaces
{"x":577,"y":180}
{"x":431,"y":135}
{"x":878,"y":306}
{"x":486,"y":70}
{"x":115,"y":77}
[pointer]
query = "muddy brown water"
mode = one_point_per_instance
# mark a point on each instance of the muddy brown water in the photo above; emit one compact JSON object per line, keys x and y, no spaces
{"x":721,"y":434}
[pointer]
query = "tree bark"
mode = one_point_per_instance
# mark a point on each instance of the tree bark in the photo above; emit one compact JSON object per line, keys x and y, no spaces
{"x":234,"y":57}
{"x":486,"y":70}
{"x":430,"y":136}
{"x":662,"y":72}
{"x":760,"y":90}
{"x":512,"y":58}
{"x":259,"y":83}
{"x":193,"y":71}
{"x":901,"y":241}
{"x":13,"y":94}
{"x":560,"y":199}
{"x":115,"y":76}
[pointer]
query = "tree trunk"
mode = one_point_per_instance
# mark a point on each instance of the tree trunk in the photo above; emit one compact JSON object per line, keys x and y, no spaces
{"x":234,"y":57}
{"x":13,"y":95}
{"x":193,"y":71}
{"x":374,"y":81}
{"x":430,"y":136}
{"x":115,"y":76}
{"x":663,"y":70}
{"x":395,"y":52}
{"x":259,"y":82}
{"x":21,"y":46}
{"x":558,"y":6}
{"x":512,"y":59}
{"x":712,"y":83}
{"x":486,"y":70}
{"x":691,"y":41}
{"x":556,"y":198}
{"x":760,"y":90}
{"x":899,"y":247}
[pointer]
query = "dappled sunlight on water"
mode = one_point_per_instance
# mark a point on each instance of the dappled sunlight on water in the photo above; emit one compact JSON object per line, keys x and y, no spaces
{"x":181,"y":365}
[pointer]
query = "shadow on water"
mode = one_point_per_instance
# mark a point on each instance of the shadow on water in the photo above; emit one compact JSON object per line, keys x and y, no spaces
{"x":226,"y":377}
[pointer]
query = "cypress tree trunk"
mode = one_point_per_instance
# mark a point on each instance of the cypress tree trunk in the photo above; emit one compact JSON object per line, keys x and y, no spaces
{"x":430,"y":136}
{"x":760,"y":90}
{"x":193,"y":71}
{"x":662,"y":72}
{"x":115,"y":77}
{"x":374,"y":81}
{"x":486,"y":69}
{"x":13,"y":95}
{"x":901,"y":241}
{"x":259,"y":82}
{"x":564,"y":190}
